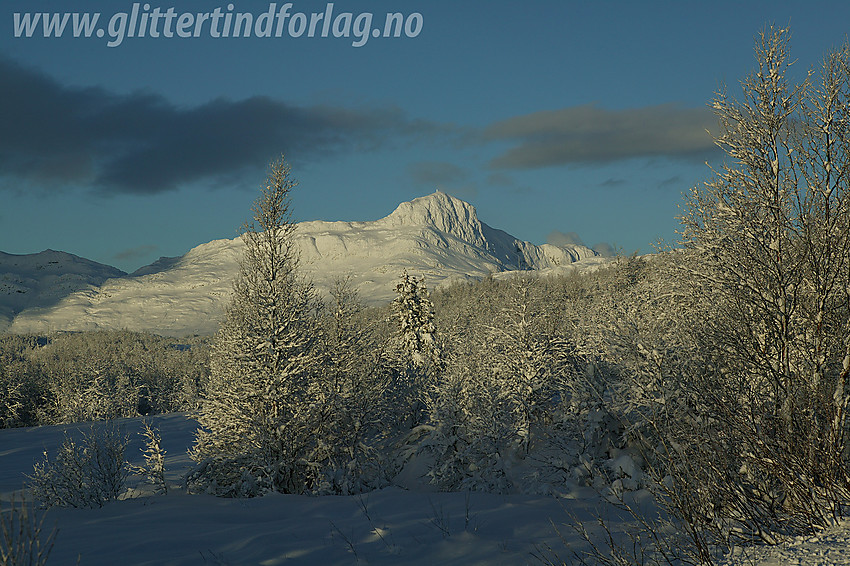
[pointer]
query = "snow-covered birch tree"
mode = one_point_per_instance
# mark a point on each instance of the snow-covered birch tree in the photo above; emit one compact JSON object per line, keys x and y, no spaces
{"x":504,"y":388}
{"x":353,"y":420}
{"x":767,"y":238}
{"x":528,"y":365}
{"x":256,"y":416}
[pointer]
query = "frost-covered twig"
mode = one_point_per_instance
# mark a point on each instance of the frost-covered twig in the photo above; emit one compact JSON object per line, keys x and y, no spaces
{"x":22,"y":541}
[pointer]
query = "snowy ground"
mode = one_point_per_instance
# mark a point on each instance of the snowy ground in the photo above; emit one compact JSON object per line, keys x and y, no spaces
{"x":391,"y":526}
{"x":828,"y":548}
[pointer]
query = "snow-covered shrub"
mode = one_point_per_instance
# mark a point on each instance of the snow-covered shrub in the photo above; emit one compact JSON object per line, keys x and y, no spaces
{"x":87,"y":471}
{"x":766,"y":239}
{"x":154,"y":456}
{"x":531,"y":367}
{"x":728,"y":359}
{"x":238,"y":476}
{"x":11,"y":399}
{"x":107,"y":397}
{"x":72,"y":377}
{"x":465,"y":439}
{"x":91,"y":393}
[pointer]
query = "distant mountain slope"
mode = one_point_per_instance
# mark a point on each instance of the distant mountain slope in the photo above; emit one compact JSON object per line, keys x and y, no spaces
{"x":437,"y":236}
{"x":45,"y":279}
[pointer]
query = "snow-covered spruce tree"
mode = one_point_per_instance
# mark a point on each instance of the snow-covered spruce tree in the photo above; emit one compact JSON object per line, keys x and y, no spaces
{"x":419,"y":359}
{"x":767,"y":240}
{"x":415,"y":314}
{"x":257,"y":415}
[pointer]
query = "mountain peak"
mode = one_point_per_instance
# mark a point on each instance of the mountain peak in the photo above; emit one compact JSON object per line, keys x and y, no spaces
{"x":442,"y":212}
{"x":437,"y":235}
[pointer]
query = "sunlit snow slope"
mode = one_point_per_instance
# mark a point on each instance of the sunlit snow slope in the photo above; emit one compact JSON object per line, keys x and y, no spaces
{"x":45,"y":279}
{"x":437,"y":236}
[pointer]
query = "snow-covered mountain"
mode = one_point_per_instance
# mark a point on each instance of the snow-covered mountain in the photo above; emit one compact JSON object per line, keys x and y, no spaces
{"x":45,"y":279}
{"x":437,"y":236}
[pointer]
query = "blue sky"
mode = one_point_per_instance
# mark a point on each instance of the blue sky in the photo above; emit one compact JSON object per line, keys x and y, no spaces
{"x":555,"y":119}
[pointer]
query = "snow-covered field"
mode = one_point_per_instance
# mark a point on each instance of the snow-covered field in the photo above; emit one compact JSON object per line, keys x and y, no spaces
{"x":390,"y":526}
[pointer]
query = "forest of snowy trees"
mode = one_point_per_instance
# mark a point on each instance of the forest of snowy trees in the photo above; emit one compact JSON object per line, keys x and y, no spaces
{"x":72,"y":377}
{"x":713,"y":375}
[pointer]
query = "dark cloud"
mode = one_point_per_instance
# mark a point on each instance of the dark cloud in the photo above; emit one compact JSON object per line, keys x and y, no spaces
{"x":611,"y":183}
{"x":135,"y":253}
{"x":604,"y":249}
{"x":568,"y":239}
{"x":563,"y":239}
{"x":589,"y":134}
{"x":675,"y":181}
{"x":436,"y":173}
{"x":499,"y":179}
{"x":141,"y":143}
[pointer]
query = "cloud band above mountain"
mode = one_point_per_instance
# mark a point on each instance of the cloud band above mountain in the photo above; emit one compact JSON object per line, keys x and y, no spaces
{"x":589,"y":134}
{"x":141,"y":143}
